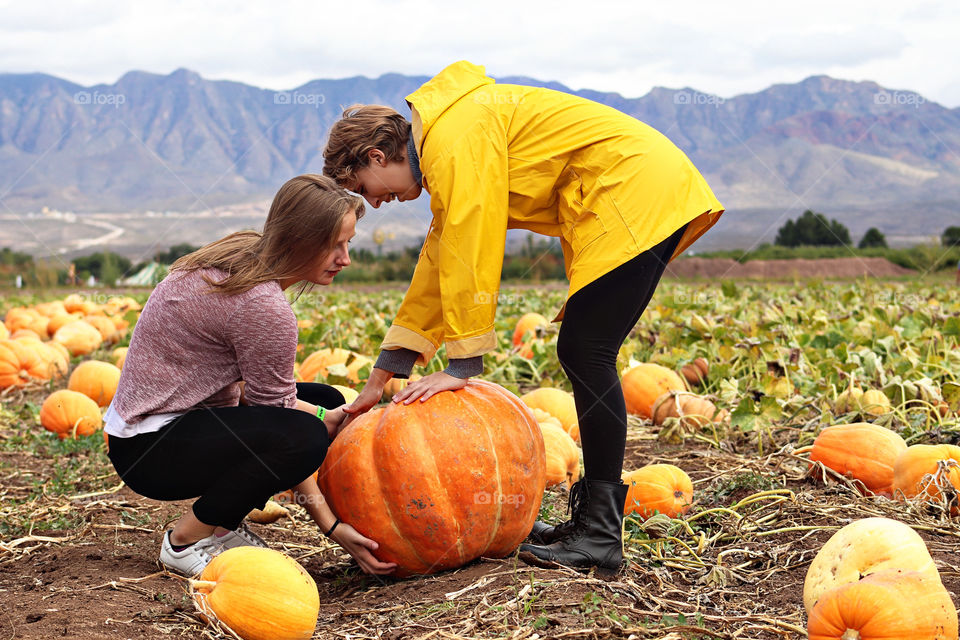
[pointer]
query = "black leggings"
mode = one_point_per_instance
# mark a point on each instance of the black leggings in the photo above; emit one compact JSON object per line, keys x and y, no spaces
{"x":598,"y":318}
{"x":233,"y":458}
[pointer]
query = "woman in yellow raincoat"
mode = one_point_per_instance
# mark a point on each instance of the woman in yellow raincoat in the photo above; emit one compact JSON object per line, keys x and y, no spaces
{"x":621,"y":197}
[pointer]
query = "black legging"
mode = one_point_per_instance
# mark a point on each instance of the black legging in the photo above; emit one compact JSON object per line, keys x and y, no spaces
{"x":598,"y":318}
{"x":233,"y":458}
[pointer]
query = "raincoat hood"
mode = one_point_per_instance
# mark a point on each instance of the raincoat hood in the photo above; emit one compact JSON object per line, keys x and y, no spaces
{"x":432,"y":99}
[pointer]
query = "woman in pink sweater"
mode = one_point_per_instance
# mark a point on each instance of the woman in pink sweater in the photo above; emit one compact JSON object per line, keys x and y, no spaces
{"x":182,"y":425}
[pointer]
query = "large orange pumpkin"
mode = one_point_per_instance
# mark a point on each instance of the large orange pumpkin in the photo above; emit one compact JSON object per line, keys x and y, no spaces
{"x":106,"y":327}
{"x":863,"y":547}
{"x":558,"y":403}
{"x":894,"y":603}
{"x":921,"y":467}
{"x":646,"y":382}
{"x":70,"y":414}
{"x":260,"y":594}
{"x":864,"y":451}
{"x":658,"y":488}
{"x":442,"y":482}
{"x":20,"y":362}
{"x":20,"y":318}
{"x":96,"y":380}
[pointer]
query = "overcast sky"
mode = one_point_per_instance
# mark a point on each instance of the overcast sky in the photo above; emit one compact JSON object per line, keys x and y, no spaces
{"x":723,"y":48}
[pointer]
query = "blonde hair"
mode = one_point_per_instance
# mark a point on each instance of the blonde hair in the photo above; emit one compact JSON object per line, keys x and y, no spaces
{"x":303,"y":226}
{"x":362,"y":128}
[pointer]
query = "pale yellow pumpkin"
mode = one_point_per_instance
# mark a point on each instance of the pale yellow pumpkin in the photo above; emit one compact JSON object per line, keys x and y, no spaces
{"x":563,"y":454}
{"x":260,"y":594}
{"x":557,"y":403}
{"x":80,"y":337}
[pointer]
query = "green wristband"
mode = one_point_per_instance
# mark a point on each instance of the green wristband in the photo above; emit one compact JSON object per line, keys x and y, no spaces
{"x":321,"y":412}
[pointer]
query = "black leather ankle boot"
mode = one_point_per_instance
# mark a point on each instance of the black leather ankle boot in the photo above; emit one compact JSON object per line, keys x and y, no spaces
{"x":595,"y":538}
{"x":544,"y":533}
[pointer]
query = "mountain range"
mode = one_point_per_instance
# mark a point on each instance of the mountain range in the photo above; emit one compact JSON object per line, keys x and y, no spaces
{"x":864,"y":154}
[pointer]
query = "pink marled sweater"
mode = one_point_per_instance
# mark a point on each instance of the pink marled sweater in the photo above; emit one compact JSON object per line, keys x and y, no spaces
{"x":190,"y":348}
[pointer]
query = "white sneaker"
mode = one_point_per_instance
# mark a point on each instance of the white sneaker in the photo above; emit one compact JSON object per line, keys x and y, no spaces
{"x":191,"y":560}
{"x":239,"y":537}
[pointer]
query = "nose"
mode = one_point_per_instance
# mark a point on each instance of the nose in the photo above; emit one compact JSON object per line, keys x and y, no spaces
{"x":344,"y":259}
{"x":373,"y":201}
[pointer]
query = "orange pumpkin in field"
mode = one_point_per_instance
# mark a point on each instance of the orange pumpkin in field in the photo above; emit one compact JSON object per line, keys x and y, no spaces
{"x":70,"y":414}
{"x":893,"y":603}
{"x":119,"y":356}
{"x":61,"y":319}
{"x":317,"y":363}
{"x":106,"y":327}
{"x":645,"y":383}
{"x":20,"y":363}
{"x":864,"y":451}
{"x":528,"y":324}
{"x":80,"y":337}
{"x":20,"y":318}
{"x":442,"y":482}
{"x":658,"y":488}
{"x":921,"y":467}
{"x":96,"y":380}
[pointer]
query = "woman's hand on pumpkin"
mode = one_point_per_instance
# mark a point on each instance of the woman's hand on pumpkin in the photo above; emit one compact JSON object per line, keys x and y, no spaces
{"x":361,"y":548}
{"x":428,"y":386}
{"x":334,"y":421}
{"x":369,"y":397}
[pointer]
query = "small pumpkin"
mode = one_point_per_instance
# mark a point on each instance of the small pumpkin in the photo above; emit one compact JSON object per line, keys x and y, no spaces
{"x":61,"y":319}
{"x":317,"y":363}
{"x":528,"y":324}
{"x":893,"y":603}
{"x":270,"y":513}
{"x":692,"y":410}
{"x":106,"y":327}
{"x":695,"y":372}
{"x":922,"y":469}
{"x":562,"y":453}
{"x":21,"y":362}
{"x":645,"y":383}
{"x":875,"y":403}
{"x":849,"y":400}
{"x":70,"y":414}
{"x":395,"y":385}
{"x":260,"y":594}
{"x":559,"y":404}
{"x":658,"y":488}
{"x":74,"y":302}
{"x":861,"y":548}
{"x":119,"y":356}
{"x":50,"y":309}
{"x":80,"y":337}
{"x":864,"y":451}
{"x":96,"y":380}
{"x":349,"y":395}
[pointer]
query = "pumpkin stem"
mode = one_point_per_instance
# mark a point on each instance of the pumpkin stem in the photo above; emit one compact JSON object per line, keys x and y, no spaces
{"x":850,"y":634}
{"x":203,"y":585}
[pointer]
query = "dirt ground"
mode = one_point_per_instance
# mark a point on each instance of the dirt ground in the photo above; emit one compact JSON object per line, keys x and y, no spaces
{"x":833,"y":268}
{"x":737,"y":573}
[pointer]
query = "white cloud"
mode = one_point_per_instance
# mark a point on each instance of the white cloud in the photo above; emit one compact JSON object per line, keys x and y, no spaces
{"x":628,"y":47}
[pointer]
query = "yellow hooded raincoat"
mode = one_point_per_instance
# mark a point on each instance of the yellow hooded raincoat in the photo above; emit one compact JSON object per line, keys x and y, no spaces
{"x":499,"y":156}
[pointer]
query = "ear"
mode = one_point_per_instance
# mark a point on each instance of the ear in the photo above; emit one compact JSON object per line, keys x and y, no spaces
{"x":377,"y":157}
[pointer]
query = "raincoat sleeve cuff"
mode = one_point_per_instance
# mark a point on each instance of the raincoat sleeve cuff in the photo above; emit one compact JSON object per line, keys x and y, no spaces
{"x":398,"y":361}
{"x":464,"y":367}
